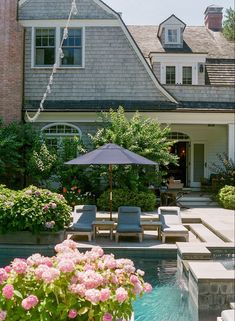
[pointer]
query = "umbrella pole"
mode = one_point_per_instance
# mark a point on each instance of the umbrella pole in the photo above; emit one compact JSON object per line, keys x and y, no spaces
{"x":111,"y":190}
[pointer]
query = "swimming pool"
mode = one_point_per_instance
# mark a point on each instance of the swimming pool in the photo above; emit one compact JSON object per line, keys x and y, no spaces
{"x":169,"y":299}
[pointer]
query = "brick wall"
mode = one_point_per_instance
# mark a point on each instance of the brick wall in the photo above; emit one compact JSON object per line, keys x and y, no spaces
{"x":11,"y":65}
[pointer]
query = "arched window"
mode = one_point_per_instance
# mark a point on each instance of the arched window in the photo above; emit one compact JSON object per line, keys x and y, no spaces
{"x":55,"y":133}
{"x":178,"y":136}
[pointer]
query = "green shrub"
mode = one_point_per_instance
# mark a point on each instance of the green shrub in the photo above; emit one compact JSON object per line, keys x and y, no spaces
{"x":34,"y":210}
{"x":7,"y":198}
{"x":122,"y":197}
{"x":226,"y":197}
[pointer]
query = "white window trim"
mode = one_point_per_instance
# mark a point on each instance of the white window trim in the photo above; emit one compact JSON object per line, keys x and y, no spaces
{"x":166,"y":36}
{"x":61,"y":134}
{"x":57,"y":41}
{"x":179,"y":72}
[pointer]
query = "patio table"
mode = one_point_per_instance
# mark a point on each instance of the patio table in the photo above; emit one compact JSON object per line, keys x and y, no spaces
{"x":104,"y":225}
{"x":152,"y":225}
{"x":173,"y":196}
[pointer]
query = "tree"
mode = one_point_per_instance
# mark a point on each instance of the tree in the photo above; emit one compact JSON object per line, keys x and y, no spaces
{"x":229,"y":24}
{"x":140,"y":135}
{"x":16,"y":143}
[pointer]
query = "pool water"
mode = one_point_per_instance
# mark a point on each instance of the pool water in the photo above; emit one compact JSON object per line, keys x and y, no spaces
{"x":169,"y":300}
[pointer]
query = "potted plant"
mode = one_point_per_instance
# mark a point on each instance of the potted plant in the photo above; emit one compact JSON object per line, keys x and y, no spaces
{"x":32,"y":216}
{"x":87,"y":286}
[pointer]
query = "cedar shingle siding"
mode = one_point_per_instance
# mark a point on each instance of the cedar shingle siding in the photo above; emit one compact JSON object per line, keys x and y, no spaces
{"x":59,"y":9}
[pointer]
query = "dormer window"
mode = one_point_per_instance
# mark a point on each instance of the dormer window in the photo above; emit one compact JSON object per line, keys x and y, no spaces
{"x":170,"y":32}
{"x":172,"y":36}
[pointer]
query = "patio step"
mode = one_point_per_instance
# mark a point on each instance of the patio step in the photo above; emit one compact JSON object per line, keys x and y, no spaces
{"x":197,"y":201}
{"x":204,"y":234}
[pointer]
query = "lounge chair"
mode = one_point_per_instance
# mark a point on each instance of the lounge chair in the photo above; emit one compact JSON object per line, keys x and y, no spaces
{"x":129,"y":222}
{"x":227,"y":315}
{"x":171,"y":223}
{"x":83,"y":217}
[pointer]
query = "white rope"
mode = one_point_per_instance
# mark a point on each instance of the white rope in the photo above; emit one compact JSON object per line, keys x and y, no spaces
{"x":60,"y":55}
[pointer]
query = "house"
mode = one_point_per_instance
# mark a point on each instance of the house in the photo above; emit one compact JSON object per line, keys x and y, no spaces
{"x":182,"y":76}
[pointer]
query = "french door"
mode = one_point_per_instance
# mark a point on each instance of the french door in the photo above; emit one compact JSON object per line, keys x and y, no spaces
{"x":198,"y":163}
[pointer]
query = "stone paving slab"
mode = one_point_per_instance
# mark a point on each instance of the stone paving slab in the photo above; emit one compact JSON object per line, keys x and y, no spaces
{"x":210,"y":271}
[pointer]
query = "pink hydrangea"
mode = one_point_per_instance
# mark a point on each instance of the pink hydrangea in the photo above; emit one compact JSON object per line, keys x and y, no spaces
{"x":134,"y":279}
{"x":3,"y":275}
{"x":30,"y":302}
{"x":3,"y":315}
{"x":8,"y":291}
{"x":147,"y":287}
{"x":105,"y":294}
{"x":66,"y":266}
{"x":107,"y":317}
{"x":79,"y":289}
{"x":121,"y":295}
{"x":72,"y":314}
{"x":7,"y":268}
{"x":92,"y":295}
{"x":138,"y":288}
{"x":140,"y":272}
{"x":19,"y":266}
{"x":50,"y":275}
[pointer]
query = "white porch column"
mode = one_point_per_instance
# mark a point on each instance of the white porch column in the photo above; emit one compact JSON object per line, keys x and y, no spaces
{"x":231,"y":141}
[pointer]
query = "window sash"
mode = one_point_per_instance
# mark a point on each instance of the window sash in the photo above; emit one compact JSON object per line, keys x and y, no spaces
{"x":170,"y":75}
{"x":172,"y":35}
{"x":187,"y":76}
{"x":45,"y":44}
{"x":72,"y":48}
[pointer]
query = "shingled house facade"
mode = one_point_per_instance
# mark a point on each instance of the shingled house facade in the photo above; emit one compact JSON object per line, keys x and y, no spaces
{"x":181,"y":76}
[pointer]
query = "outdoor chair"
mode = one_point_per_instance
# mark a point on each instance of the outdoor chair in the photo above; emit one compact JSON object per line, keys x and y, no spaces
{"x":83,"y":217}
{"x":171,"y":223}
{"x":129,"y":222}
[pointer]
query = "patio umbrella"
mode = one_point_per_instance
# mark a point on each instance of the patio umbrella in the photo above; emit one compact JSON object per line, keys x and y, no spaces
{"x":110,"y":154}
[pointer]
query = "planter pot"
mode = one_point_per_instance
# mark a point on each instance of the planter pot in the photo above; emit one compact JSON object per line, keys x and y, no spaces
{"x":42,"y":238}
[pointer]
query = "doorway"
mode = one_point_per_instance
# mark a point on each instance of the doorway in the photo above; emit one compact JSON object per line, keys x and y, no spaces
{"x":180,"y":172}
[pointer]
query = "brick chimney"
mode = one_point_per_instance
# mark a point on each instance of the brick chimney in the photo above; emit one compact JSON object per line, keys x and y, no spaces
{"x":11,"y":64}
{"x":213,"y":18}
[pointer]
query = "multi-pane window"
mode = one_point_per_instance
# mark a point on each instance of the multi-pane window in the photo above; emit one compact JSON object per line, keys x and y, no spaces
{"x":44,"y":46}
{"x":72,"y":48}
{"x":187,"y":75}
{"x":170,"y":75}
{"x":57,"y":133}
{"x":172,"y":35}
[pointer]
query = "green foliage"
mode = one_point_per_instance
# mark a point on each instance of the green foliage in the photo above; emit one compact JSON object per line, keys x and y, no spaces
{"x":16,"y":143}
{"x":32,"y":209}
{"x":229,"y":24}
{"x":122,"y":197}
{"x":226,"y":197}
{"x":42,"y":162}
{"x":224,"y":169}
{"x":143,"y":136}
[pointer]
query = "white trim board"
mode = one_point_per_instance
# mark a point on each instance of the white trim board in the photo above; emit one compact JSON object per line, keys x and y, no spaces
{"x":163,"y":117}
{"x":73,"y":23}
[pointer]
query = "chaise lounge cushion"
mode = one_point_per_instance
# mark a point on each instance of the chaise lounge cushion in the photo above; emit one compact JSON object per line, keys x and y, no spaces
{"x":81,"y":227}
{"x":130,"y":228}
{"x":228,"y":315}
{"x":175,"y":228}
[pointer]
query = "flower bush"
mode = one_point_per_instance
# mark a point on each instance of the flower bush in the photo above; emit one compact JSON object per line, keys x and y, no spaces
{"x":87,"y":286}
{"x":33,"y":209}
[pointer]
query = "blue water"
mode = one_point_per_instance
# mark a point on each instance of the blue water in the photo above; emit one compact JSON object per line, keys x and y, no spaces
{"x":169,"y":300}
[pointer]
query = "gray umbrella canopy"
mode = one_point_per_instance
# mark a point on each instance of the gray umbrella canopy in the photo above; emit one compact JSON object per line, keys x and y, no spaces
{"x":111,"y":154}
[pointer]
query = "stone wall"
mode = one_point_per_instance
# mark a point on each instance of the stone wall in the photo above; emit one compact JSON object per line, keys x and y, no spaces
{"x":11,"y":66}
